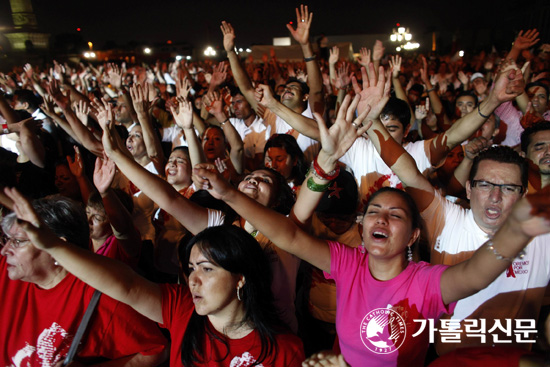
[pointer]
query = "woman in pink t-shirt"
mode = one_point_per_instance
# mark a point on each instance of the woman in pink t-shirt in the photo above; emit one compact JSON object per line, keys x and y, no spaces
{"x":384,"y":299}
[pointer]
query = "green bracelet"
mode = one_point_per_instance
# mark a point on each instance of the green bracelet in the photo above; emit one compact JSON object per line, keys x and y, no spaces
{"x":315,"y":186}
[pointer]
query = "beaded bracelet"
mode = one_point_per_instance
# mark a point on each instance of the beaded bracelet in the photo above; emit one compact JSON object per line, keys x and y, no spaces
{"x":318,"y":171}
{"x":480,"y":114}
{"x":313,"y":186}
{"x":490,"y":247}
{"x":223,"y":122}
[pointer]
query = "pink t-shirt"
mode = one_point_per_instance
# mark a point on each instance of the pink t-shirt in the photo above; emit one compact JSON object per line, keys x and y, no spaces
{"x":375,"y":319}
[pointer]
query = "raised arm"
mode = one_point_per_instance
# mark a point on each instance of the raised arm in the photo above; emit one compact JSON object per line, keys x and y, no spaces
{"x":85,"y":136}
{"x":281,"y":230}
{"x":314,"y":78}
{"x":530,"y":217}
{"x":523,"y":41}
{"x":508,"y":85}
{"x":375,"y":93}
{"x":236,"y":153}
{"x":304,"y":125}
{"x":335,"y":143}
{"x":190,"y":215}
{"x":142,"y":105}
{"x":109,"y":276}
{"x":119,"y":217}
{"x":395,"y":67}
{"x":183,"y":116}
{"x":239,"y":74}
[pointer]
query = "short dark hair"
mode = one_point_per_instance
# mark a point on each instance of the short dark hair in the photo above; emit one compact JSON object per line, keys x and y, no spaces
{"x":538,"y":84}
{"x":305,"y":87}
{"x":27,"y":96}
{"x":399,"y":109}
{"x":467,"y":93}
{"x":527,"y":134}
{"x":502,"y":154}
{"x":236,"y":251}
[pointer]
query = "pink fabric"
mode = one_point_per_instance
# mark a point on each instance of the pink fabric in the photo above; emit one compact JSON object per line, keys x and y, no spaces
{"x":369,"y":311}
{"x":111,"y":248}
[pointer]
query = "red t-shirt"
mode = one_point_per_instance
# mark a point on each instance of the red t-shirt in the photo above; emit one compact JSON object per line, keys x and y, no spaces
{"x":177,"y":307}
{"x":37,"y":325}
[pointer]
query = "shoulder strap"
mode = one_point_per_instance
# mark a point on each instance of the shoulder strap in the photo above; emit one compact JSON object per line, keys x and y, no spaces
{"x":82,"y":327}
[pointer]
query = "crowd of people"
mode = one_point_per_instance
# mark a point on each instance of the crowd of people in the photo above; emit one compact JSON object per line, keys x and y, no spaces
{"x":240,"y":213}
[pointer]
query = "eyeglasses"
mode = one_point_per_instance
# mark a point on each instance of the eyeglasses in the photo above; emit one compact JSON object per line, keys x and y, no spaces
{"x":506,"y":189}
{"x":13,"y":242}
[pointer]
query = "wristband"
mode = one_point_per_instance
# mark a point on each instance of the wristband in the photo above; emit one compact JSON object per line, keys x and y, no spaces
{"x":5,"y":129}
{"x":480,"y":114}
{"x":490,"y":247}
{"x":223,"y":122}
{"x":318,"y":171}
{"x":312,"y":58}
{"x":315,"y":186}
{"x":430,"y":90}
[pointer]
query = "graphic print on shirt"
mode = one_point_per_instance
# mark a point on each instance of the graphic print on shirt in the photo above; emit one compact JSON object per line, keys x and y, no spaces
{"x":383,"y":330}
{"x":52,"y":346}
{"x":244,"y":361}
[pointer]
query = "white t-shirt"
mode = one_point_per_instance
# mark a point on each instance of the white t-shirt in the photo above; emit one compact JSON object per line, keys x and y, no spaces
{"x":277,"y":125}
{"x":253,"y":136}
{"x":516,"y":294}
{"x":372,"y":173}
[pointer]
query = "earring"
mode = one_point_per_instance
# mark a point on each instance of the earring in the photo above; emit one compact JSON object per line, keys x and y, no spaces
{"x":239,"y":293}
{"x":409,"y":254}
{"x":56,"y":263}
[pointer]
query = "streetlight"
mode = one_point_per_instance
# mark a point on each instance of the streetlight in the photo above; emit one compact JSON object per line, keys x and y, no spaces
{"x":400,"y":35}
{"x":147,"y":50}
{"x":209,"y":51}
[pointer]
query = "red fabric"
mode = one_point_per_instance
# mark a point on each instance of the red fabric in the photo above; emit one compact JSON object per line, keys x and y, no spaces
{"x":177,"y":307}
{"x":481,"y":357}
{"x":38,"y":325}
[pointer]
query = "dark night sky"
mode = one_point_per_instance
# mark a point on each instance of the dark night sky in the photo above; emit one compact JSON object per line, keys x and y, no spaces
{"x":256,"y":22}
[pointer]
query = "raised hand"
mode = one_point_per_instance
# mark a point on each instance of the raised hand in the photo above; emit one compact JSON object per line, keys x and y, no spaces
{"x":509,"y":82}
{"x":140,"y":98}
{"x":334,"y":55}
{"x":476,"y":146}
{"x":228,"y":36}
{"x":336,"y":140}
{"x":76,"y":166}
{"x":264,"y":96}
{"x":375,"y":92}
{"x":39,"y":233}
{"x":213,"y":103}
{"x":104,"y":173}
{"x":378,"y":51}
{"x":365,"y":57}
{"x":532,"y":213}
{"x":207,"y":177}
{"x":29,"y":71}
{"x":82,"y":110}
{"x":48,"y":106}
{"x":115,"y":76}
{"x":395,"y":65}
{"x":58,"y":97}
{"x":421,"y":111}
{"x":303,"y":24}
{"x":462,"y":77}
{"x":343,"y":79}
{"x":424,"y":72}
{"x":183,"y":86}
{"x":183,"y":116}
{"x":219,"y":74}
{"x":527,"y":40}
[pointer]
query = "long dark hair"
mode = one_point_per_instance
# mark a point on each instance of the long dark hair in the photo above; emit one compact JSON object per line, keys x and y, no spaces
{"x":236,"y":251}
{"x":289,"y":144}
